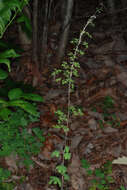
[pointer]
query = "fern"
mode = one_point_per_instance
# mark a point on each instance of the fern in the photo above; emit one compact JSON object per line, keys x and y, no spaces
{"x":8,"y":12}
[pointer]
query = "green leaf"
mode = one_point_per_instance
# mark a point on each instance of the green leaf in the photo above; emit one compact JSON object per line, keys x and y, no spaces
{"x":67,"y":149}
{"x":15,"y":93}
{"x":3,"y":74}
{"x":26,"y":20}
{"x":9,"y":54}
{"x":67,"y":156}
{"x":100,"y":186}
{"x":2,"y":26}
{"x":55,"y":153}
{"x":25,"y":105}
{"x":122,"y":187}
{"x":55,"y":180}
{"x":13,"y":4}
{"x":61,"y":169}
{"x":4,"y":113}
{"x":85,"y":164}
{"x":89,"y":172}
{"x":33,"y":97}
{"x":3,"y":102}
{"x":66,"y":177}
{"x":39,"y":134}
{"x":99,"y":173}
{"x":6,"y":62}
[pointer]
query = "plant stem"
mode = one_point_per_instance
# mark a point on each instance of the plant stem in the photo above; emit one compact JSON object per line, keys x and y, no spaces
{"x":69,"y":85}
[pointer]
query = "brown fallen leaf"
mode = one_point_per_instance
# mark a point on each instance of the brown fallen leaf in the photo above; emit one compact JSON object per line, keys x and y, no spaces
{"x":47,"y":119}
{"x":123,"y":123}
{"x":90,"y":81}
{"x":47,"y":149}
{"x":76,"y":177}
{"x":102,"y":93}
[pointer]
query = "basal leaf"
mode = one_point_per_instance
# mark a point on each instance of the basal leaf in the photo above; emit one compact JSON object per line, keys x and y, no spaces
{"x":3,"y":103}
{"x":9,"y":54}
{"x":3,"y":74}
{"x":2,"y":26}
{"x":6,"y":62}
{"x":28,"y":107}
{"x":15,"y":93}
{"x":4,"y":113}
{"x":33,"y":97}
{"x":13,"y":4}
{"x":26,"y":20}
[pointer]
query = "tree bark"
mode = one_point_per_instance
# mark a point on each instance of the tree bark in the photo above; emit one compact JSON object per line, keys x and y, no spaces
{"x":124,"y":3}
{"x":35,"y":33}
{"x":35,"y":61}
{"x":45,"y":34}
{"x":111,"y":6}
{"x":66,"y":26}
{"x":25,"y":41}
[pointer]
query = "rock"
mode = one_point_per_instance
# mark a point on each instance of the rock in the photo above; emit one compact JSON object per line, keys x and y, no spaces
{"x":122,"y":116}
{"x":121,"y":58}
{"x":92,"y":124}
{"x":95,"y":114}
{"x":11,"y":162}
{"x":122,"y":77}
{"x":89,"y":148}
{"x":76,"y":176}
{"x":110,"y":130}
{"x":25,"y":186}
{"x":74,"y":125}
{"x":53,"y":94}
{"x":117,"y":151}
{"x":75,"y":141}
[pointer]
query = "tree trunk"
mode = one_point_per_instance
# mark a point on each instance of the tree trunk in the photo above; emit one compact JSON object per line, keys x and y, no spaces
{"x":111,"y":6}
{"x":124,"y":3}
{"x":35,"y":33}
{"x":35,"y":61}
{"x":45,"y":34}
{"x":25,"y":41}
{"x":68,"y":4}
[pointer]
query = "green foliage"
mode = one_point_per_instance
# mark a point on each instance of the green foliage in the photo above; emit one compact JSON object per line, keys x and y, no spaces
{"x":16,"y":99}
{"x":15,"y":138}
{"x":8,"y":12}
{"x":62,"y":118}
{"x":25,"y":23}
{"x":6,"y":186}
{"x":56,"y":154}
{"x":3,"y":74}
{"x":108,"y":117}
{"x":4,"y":175}
{"x":62,"y":170}
{"x":102,"y":176}
{"x":108,"y":103}
{"x":75,"y":111}
{"x":67,"y":154}
{"x":15,"y":94}
{"x":4,"y":59}
{"x":55,"y":180}
{"x":122,"y":187}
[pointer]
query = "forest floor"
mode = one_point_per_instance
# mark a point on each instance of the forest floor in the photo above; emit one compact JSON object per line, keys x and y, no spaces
{"x":100,"y":135}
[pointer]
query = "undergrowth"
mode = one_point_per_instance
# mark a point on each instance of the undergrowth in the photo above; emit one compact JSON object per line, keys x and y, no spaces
{"x":18,"y":107}
{"x":101,"y":177}
{"x":109,"y":118}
